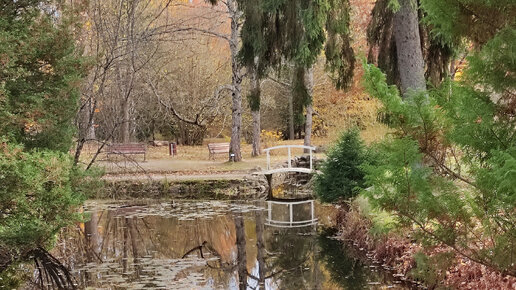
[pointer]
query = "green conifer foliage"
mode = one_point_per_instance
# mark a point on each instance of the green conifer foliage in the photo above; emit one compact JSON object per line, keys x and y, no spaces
{"x":476,"y":20}
{"x":37,"y":199}
{"x":449,"y":167}
{"x":340,"y":60}
{"x":275,"y":31}
{"x":39,"y":73}
{"x":342,"y":174}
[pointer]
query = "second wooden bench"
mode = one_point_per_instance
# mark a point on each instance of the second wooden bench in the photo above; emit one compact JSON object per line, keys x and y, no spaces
{"x":218,"y":148}
{"x":127,"y":149}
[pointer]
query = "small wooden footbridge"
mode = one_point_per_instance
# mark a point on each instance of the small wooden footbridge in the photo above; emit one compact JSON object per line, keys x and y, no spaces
{"x":270,"y":171}
{"x":289,"y":168}
{"x":277,"y":204}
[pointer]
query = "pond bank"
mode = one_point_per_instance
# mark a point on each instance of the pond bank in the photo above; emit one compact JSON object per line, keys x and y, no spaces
{"x":202,"y":185}
{"x":395,"y":253}
{"x":188,"y":187}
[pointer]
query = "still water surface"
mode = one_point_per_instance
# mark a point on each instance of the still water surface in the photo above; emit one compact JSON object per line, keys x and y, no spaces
{"x":209,"y":245}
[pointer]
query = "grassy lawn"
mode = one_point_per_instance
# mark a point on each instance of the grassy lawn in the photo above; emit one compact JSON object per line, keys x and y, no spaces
{"x":195,"y":159}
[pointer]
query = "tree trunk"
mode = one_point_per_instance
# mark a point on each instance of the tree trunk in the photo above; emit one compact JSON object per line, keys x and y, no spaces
{"x":291,"y":131}
{"x":256,"y":133}
{"x":90,"y":129}
{"x":241,"y":252}
{"x":254,"y":103}
{"x":309,"y":83}
{"x":236,"y":116}
{"x":92,"y":236}
{"x":260,"y":249}
{"x":408,"y":47}
{"x":130,"y":72}
{"x":125,"y":119}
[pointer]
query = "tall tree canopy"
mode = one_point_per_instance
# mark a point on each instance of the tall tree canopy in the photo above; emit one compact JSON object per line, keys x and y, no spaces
{"x":276,"y":31}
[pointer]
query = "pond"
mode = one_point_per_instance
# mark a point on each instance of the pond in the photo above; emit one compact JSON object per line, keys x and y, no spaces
{"x":211,"y":245}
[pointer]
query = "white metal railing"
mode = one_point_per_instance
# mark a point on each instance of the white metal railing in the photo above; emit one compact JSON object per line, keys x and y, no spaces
{"x":290,"y":223}
{"x":289,"y":148}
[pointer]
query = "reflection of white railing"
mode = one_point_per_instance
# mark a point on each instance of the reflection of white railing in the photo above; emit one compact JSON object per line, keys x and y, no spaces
{"x":290,"y":223}
{"x":289,"y":168}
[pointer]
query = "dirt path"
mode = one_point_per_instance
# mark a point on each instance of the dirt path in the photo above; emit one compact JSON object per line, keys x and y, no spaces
{"x":170,"y":165}
{"x":177,"y":177}
{"x":161,"y":166}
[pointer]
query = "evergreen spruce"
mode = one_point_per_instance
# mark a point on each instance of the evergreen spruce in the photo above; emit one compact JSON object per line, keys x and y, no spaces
{"x":40,"y":68}
{"x":342,"y":175}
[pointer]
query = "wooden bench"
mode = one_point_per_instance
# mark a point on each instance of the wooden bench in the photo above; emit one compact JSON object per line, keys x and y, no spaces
{"x":126,"y":149}
{"x":218,"y":148}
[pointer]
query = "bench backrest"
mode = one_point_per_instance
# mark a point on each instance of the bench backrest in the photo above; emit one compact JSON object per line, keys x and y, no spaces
{"x":218,"y":147}
{"x":127,"y":147}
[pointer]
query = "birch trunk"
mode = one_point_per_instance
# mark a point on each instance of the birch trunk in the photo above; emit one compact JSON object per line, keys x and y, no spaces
{"x":90,"y":129}
{"x":309,"y":82}
{"x":408,"y":48}
{"x":256,"y":133}
{"x":236,"y":80}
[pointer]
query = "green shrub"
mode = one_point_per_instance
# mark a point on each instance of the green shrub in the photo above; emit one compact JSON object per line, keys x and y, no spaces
{"x":38,"y":196}
{"x":342,"y":176}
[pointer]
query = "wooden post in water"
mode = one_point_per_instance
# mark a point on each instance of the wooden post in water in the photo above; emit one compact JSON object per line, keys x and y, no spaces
{"x":269,"y":182}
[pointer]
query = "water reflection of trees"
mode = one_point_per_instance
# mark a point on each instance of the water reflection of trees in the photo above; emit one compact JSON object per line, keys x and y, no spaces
{"x":345,"y":271}
{"x":119,"y":243}
{"x":293,"y":263}
{"x":119,"y":248}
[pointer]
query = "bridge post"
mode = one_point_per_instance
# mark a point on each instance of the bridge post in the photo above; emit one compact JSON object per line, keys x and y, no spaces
{"x":291,"y":213}
{"x":289,"y":158}
{"x":268,"y":160}
{"x":269,"y":212}
{"x":311,"y":159}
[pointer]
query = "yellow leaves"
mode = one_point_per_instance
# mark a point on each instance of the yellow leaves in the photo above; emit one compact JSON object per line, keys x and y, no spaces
{"x":270,"y":138}
{"x":47,"y":68}
{"x":458,"y":75}
{"x":32,"y":128}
